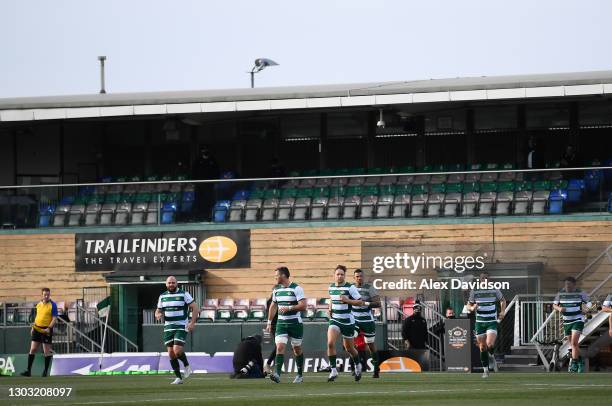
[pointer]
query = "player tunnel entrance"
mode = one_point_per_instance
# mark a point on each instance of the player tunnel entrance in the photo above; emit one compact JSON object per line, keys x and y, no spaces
{"x":135,"y":297}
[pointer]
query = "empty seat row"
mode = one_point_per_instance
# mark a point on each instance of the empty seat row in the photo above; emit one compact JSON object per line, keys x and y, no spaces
{"x":107,"y":214}
{"x":465,"y":199}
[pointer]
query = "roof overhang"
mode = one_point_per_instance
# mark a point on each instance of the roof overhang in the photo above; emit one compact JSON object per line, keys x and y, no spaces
{"x":524,"y":87}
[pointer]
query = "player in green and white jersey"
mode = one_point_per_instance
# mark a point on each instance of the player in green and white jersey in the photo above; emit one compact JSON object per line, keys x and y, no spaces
{"x":364,"y":321}
{"x":607,"y":307}
{"x":289,"y":301}
{"x":174,"y":306}
{"x":484,"y":302}
{"x":569,"y":303}
{"x":343,"y":296}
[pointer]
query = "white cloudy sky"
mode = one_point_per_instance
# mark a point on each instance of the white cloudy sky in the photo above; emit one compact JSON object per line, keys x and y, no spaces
{"x":51,"y":47}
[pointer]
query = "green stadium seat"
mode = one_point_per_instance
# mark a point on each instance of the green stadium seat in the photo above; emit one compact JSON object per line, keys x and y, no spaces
{"x":505,"y":198}
{"x":321,"y":315}
{"x":488,"y":196}
{"x":320,"y":199}
{"x":405,"y":179}
{"x":369,"y":199}
{"x":351,"y":202}
{"x":435,"y":199}
{"x":418,"y":200}
{"x":452,"y":199}
{"x":206,"y":315}
{"x":270,"y":204}
{"x":223,"y":315}
{"x":522,"y":197}
{"x":473,"y":177}
{"x":470,"y":199}
{"x":335,"y":203}
{"x":92,"y":213}
{"x":373,"y":180}
{"x":401,"y":200}
{"x":286,"y":204}
{"x":302,"y":204}
{"x":240,"y":315}
{"x":359,"y":180}
{"x":257,"y":315}
{"x":123,"y":214}
{"x":385,"y":200}
{"x":253,"y":205}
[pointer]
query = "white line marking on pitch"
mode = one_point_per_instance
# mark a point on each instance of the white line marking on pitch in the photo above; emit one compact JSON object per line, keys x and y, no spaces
{"x":286,"y":395}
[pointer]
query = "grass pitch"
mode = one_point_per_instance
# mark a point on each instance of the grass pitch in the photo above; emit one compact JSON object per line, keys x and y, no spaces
{"x":440,"y":389}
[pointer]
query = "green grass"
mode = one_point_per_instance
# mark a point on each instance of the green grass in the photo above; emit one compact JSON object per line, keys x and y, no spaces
{"x":440,"y":389}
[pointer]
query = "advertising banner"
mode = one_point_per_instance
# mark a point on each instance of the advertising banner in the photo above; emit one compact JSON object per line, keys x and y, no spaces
{"x":151,"y":251}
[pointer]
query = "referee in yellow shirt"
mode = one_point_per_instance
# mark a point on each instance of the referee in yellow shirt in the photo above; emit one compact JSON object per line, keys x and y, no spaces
{"x":42,"y":331}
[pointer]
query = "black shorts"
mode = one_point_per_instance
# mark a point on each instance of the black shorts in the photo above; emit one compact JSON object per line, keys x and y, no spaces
{"x":41,"y":337}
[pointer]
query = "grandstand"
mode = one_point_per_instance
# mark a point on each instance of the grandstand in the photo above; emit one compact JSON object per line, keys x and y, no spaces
{"x":449,"y":166}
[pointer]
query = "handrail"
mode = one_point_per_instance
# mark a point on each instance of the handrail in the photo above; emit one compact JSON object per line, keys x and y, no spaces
{"x":600,"y":285}
{"x":423,"y":304}
{"x":365,"y":175}
{"x":604,"y":252}
{"x":80,"y":333}
{"x":98,"y":319}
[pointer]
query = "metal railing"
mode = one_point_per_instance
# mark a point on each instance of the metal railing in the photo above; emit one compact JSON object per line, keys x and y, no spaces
{"x":393,"y":319}
{"x":88,"y":323}
{"x":83,"y":333}
{"x":27,"y":205}
{"x":67,"y":339}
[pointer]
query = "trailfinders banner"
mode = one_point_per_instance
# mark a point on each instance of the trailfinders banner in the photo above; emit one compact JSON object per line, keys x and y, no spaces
{"x":150,"y":251}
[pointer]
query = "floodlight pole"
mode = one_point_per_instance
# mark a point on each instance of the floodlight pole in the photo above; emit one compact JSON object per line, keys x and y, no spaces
{"x":102,"y":59}
{"x":252,"y":78}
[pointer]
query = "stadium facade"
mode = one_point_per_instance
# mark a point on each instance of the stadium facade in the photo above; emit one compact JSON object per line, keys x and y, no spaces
{"x":431,"y":128}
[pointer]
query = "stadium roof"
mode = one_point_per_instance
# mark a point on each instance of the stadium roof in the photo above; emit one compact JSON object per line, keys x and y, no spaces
{"x":305,"y":97}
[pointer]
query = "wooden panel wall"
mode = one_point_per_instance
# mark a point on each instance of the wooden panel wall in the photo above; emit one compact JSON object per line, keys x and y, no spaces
{"x":30,"y":261}
{"x":312,"y":253}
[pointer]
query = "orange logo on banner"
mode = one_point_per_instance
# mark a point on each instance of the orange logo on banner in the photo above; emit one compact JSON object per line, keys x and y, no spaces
{"x":400,"y":364}
{"x":218,"y":249}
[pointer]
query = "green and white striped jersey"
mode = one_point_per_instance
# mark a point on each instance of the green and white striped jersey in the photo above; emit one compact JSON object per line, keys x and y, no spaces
{"x":175,"y":307}
{"x":341,"y":312}
{"x":608,"y":301}
{"x":363,"y":313}
{"x":571,"y":302}
{"x":487,"y":304}
{"x":288,"y":296}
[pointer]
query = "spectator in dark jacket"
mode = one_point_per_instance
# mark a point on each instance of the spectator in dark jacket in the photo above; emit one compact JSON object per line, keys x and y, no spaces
{"x":205,"y":167}
{"x":414,"y":330}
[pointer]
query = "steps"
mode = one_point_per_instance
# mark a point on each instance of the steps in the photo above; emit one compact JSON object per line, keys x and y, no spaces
{"x":521,"y":359}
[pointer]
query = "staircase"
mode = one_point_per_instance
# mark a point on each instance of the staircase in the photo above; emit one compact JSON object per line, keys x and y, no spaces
{"x":521,"y":359}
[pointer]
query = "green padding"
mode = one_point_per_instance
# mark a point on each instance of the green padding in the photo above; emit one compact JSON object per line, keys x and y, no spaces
{"x":488,"y":187}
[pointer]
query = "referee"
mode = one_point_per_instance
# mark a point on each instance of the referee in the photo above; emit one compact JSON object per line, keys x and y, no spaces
{"x":42,"y":331}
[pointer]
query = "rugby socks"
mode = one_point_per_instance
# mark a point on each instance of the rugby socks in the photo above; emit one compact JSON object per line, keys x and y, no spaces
{"x":374,"y":359}
{"x":299,"y":361}
{"x":176,"y":368}
{"x":47,"y":363}
{"x":278,"y":363}
{"x":356,"y":361}
{"x":271,"y":357}
{"x":484,"y":359}
{"x":30,"y":361}
{"x":332,"y":362}
{"x":183,"y":359}
{"x":491,"y":350}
